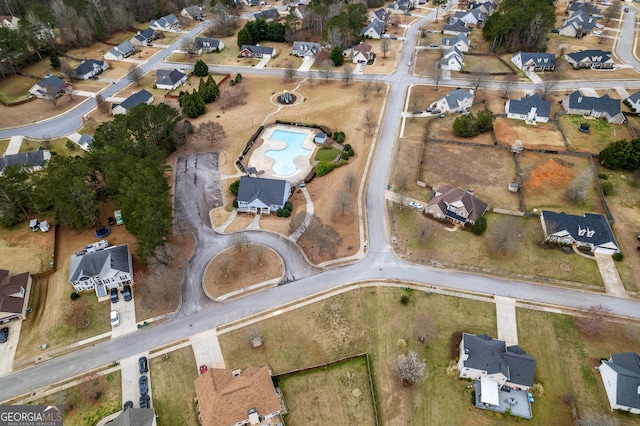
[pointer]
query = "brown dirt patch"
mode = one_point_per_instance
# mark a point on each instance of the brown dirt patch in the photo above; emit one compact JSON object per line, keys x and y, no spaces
{"x":23,"y":250}
{"x":551,"y":173}
{"x":542,"y":136}
{"x":241,"y":267}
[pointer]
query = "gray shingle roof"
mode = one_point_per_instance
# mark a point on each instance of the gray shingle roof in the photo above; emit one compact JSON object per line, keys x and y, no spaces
{"x":30,"y":159}
{"x":169,"y":77}
{"x":456,"y":25}
{"x":134,"y":417}
{"x":601,"y":231}
{"x":257,"y":50}
{"x":601,"y":105}
{"x":456,"y":96}
{"x":582,"y":6}
{"x":627,"y":366}
{"x":93,"y":264}
{"x":381,"y":14}
{"x":538,"y":58}
{"x":136,"y":99}
{"x":450,"y":41}
{"x":271,"y":13}
{"x":634,"y":97}
{"x":269,"y":191}
{"x":148,"y":34}
{"x":207,"y":43}
{"x":193,"y":10}
{"x":376,"y":26}
{"x":524,"y":105}
{"x":593,"y":56}
{"x":88,"y":65}
{"x":53,"y":81}
{"x":522,"y":366}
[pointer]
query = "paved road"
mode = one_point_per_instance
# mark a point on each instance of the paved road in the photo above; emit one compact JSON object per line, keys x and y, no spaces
{"x":198,"y":314}
{"x":624,"y":46}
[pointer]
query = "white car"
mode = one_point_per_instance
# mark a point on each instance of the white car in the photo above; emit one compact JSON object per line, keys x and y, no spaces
{"x":596,"y":32}
{"x":599,"y":26}
{"x":115,"y":318}
{"x":415,"y":205}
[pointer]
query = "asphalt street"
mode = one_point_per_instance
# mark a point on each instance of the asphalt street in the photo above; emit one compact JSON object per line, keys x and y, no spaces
{"x":198,"y":314}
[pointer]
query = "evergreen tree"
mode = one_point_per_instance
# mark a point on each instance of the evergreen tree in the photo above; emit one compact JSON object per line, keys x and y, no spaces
{"x":336,"y":56}
{"x":54,"y":60}
{"x":201,"y":69}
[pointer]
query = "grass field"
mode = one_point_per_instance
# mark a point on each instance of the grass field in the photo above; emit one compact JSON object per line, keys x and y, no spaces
{"x":339,"y":394}
{"x":327,"y":154}
{"x":597,"y":139}
{"x":484,"y":63}
{"x":172,"y":377}
{"x":373,"y":321}
{"x":523,"y":255}
{"x":15,"y":88}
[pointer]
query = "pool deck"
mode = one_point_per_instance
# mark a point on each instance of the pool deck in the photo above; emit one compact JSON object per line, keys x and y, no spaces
{"x":264,"y":164}
{"x":515,"y":400}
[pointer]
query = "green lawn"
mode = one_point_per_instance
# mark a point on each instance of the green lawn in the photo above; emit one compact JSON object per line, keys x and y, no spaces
{"x":327,"y":154}
{"x":15,"y":88}
{"x":339,"y":394}
{"x":4,"y":143}
{"x":59,"y":146}
{"x":601,"y":133}
{"x":172,"y":377}
{"x":374,"y":321}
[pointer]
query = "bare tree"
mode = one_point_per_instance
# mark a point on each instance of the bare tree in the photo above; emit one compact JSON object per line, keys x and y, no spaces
{"x":504,"y":236}
{"x":231,"y":96}
{"x":425,"y":230}
{"x":548,"y":84}
{"x":240,"y":241}
{"x":478,"y":80}
{"x":517,"y":147}
{"x":347,"y":74}
{"x":593,"y":323}
{"x":579,"y":186}
{"x":191,"y":48}
{"x":439,"y":75}
{"x":597,"y":419}
{"x":78,"y":313}
{"x":68,"y":71}
{"x":135,"y":74}
{"x":289,"y":71}
{"x":350,"y":179}
{"x":368,"y":127}
{"x":52,"y":94}
{"x":296,"y":222}
{"x":410,"y":369}
{"x":325,"y":236}
{"x":342,"y":201}
{"x":102,"y":104}
{"x":369,"y":115}
{"x":508,"y":84}
{"x":378,"y":85}
{"x":335,"y":37}
{"x":612,"y":10}
{"x":91,"y":387}
{"x":424,"y":329}
{"x":366,"y":88}
{"x":211,"y":131}
{"x":385,"y":45}
{"x":325,"y":70}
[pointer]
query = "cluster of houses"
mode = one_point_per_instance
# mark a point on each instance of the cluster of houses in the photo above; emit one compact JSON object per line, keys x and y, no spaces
{"x":475,"y":15}
{"x":377,"y":24}
{"x":582,"y":19}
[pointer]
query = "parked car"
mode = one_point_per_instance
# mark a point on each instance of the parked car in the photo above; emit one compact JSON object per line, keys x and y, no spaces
{"x":93,"y":77}
{"x":417,"y":111}
{"x":434,"y":45}
{"x":143,"y":365}
{"x":114,"y":295}
{"x":128,"y":404}
{"x":143,"y":384}
{"x":115,"y":318}
{"x":4,"y":334}
{"x":626,"y":9}
{"x":203,"y":369}
{"x":145,"y":401}
{"x":415,"y":205}
{"x":126,"y":292}
{"x":596,"y":32}
{"x":555,"y":30}
{"x":600,"y":26}
{"x":530,"y":397}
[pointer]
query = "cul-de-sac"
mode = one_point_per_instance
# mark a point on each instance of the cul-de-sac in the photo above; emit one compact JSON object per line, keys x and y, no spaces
{"x":320,"y":212}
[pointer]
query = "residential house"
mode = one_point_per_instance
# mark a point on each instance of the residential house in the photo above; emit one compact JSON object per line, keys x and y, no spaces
{"x":33,"y":160}
{"x":134,"y":417}
{"x":193,"y":12}
{"x":362,"y":54}
{"x":262,"y":196}
{"x":120,"y":52}
{"x":578,"y":24}
{"x":486,"y":7}
{"x":268,"y":15}
{"x":11,"y":22}
{"x":228,"y":398}
{"x":90,"y":68}
{"x":306,"y":50}
{"x":634,"y":100}
{"x":85,"y":142}
{"x":400,"y":6}
{"x":251,"y":51}
{"x":596,"y":59}
{"x":137,"y":98}
{"x":604,"y":107}
{"x":455,"y":101}
{"x":458,"y":206}
{"x":534,"y":61}
{"x":460,"y":41}
{"x":589,"y":230}
{"x":144,"y":38}
{"x":470,"y":17}
{"x":320,"y":137}
{"x":621,"y":378}
{"x":170,"y":79}
{"x":532,"y":108}
{"x":49,"y":87}
{"x":454,"y":27}
{"x":14,"y":295}
{"x":101,"y":270}
{"x":208,"y":45}
{"x":166,"y":23}
{"x":381,"y":15}
{"x":587,"y":7}
{"x":252,"y":2}
{"x":298,"y":10}
{"x":484,"y":357}
{"x":375,"y":29}
{"x":452,"y":59}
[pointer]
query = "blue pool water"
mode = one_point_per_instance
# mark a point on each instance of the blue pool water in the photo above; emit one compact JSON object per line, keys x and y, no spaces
{"x":283,"y":164}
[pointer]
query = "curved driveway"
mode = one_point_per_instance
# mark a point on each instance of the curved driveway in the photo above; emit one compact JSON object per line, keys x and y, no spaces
{"x":379,"y":264}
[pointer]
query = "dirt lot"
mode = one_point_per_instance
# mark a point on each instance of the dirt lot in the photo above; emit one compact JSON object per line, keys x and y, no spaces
{"x":235,"y":269}
{"x":443,"y":129}
{"x":484,"y":63}
{"x":466,"y":167}
{"x":601,"y":133}
{"x":545,"y":181}
{"x":23,"y":250}
{"x":541,"y":136}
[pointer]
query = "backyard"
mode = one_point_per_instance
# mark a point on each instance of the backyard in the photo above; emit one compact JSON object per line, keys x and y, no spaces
{"x":599,"y":136}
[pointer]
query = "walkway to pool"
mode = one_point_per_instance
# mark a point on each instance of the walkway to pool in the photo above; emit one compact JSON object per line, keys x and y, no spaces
{"x":265,"y":165}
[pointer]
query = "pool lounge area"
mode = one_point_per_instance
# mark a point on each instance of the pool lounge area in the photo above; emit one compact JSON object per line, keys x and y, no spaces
{"x":516,"y":400}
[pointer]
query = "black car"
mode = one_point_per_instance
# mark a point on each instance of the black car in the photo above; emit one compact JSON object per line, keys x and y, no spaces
{"x":4,"y":334}
{"x":143,"y":383}
{"x":93,"y":77}
{"x":128,"y":404}
{"x":126,"y":291}
{"x":143,"y":365}
{"x":145,"y":401}
{"x":114,"y":295}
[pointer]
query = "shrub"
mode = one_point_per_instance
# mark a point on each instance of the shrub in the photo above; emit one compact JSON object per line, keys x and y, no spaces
{"x":288,"y":206}
{"x":238,"y":78}
{"x":341,"y":163}
{"x":339,"y":136}
{"x":351,"y":153}
{"x":234,"y":187}
{"x":618,"y":256}
{"x":603,"y":176}
{"x":74,"y":296}
{"x":70,"y":145}
{"x":286,"y":213}
{"x":345,"y":156}
{"x":607,"y":188}
{"x":405,"y":300}
{"x":280,"y":212}
{"x":235,"y":203}
{"x":480,"y":226}
{"x":323,"y":167}
{"x":621,"y":155}
{"x":347,"y":147}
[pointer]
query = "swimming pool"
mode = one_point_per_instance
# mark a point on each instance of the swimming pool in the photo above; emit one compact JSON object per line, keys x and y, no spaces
{"x":283,"y":164}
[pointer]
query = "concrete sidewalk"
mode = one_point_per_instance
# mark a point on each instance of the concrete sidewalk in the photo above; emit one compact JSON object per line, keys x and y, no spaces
{"x":14,"y":145}
{"x":506,"y":316}
{"x":612,"y":282}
